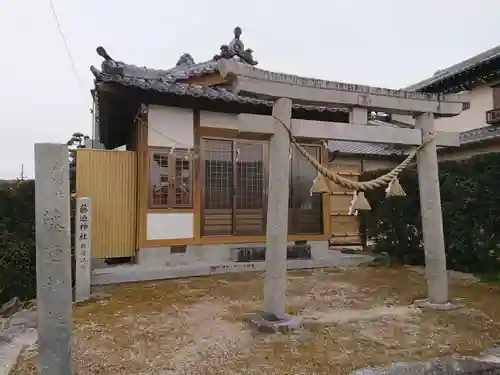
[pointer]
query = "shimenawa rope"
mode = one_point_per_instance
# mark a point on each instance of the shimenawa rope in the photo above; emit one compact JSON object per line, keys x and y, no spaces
{"x":356,"y":185}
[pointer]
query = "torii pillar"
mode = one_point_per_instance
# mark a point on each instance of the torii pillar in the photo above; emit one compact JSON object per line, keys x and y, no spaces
{"x":277,"y":211}
{"x":432,"y":217}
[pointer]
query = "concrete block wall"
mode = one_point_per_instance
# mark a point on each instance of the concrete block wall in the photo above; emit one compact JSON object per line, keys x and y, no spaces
{"x":212,"y":254}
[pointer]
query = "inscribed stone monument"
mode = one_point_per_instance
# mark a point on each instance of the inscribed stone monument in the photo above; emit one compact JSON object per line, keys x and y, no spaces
{"x":53,"y":259}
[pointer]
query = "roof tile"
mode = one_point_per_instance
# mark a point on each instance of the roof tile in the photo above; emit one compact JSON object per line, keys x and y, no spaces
{"x":170,"y":81}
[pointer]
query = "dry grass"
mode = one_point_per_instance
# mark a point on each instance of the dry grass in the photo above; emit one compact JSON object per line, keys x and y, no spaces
{"x":194,"y":326}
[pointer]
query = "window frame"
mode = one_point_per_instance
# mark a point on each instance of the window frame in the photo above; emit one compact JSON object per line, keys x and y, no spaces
{"x":496,"y":96}
{"x":173,"y":155}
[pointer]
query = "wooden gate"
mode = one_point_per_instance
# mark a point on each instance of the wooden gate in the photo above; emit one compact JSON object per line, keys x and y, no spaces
{"x":344,"y":229}
{"x":109,"y":179}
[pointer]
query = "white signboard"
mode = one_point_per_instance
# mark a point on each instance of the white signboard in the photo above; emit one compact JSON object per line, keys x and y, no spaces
{"x":83,"y":245}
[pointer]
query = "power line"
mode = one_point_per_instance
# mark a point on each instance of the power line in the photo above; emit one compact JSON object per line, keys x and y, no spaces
{"x":66,"y":47}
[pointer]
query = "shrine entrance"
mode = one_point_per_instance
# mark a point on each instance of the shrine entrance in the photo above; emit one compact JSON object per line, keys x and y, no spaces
{"x":286,"y":132}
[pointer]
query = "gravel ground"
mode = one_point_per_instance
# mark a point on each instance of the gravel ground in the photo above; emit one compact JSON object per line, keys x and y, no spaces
{"x":357,"y":317}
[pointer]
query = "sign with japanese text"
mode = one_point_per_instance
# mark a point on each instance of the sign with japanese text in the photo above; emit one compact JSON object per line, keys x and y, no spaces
{"x":83,"y":243}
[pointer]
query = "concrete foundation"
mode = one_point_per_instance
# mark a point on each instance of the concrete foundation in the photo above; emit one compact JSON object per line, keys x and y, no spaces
{"x":319,"y":249}
{"x":163,"y":256}
{"x":202,"y":266}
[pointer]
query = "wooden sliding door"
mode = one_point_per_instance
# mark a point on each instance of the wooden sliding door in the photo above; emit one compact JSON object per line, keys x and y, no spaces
{"x":305,"y":211}
{"x":234,"y":190}
{"x":218,"y":191}
{"x":234,"y":181}
{"x":250,"y":185}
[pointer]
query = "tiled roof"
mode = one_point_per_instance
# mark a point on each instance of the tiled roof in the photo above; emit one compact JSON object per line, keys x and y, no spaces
{"x":114,"y":68}
{"x":198,"y":91}
{"x":364,"y":148}
{"x":361,"y":148}
{"x":177,"y":73}
{"x":168,"y":84}
{"x":461,"y":67}
{"x":170,"y":81}
{"x":185,"y":67}
{"x":479,"y":134}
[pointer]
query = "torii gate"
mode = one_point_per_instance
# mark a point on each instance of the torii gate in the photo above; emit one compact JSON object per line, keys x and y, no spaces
{"x":285,"y":89}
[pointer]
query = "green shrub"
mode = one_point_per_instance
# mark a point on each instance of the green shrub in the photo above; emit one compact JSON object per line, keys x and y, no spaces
{"x":17,"y":241}
{"x":470,"y":202}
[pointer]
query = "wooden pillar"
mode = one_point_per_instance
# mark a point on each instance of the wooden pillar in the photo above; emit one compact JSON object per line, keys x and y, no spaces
{"x":277,"y":212}
{"x":432,"y":221}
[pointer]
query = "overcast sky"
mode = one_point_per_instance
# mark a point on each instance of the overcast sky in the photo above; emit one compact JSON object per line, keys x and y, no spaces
{"x":389,"y":43}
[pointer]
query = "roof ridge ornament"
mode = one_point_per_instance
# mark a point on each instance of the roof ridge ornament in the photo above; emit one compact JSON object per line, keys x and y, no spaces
{"x":102,"y":52}
{"x":236,"y":48}
{"x":185,"y":60}
{"x":109,"y":65}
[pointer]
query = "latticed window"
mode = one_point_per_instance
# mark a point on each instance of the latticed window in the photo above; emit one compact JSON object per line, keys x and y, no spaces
{"x":233,"y":187}
{"x":305,"y":210}
{"x":170,"y":178}
{"x":235,"y":180}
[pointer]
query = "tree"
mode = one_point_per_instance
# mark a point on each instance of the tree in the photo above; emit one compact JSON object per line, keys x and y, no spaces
{"x":76,"y":141}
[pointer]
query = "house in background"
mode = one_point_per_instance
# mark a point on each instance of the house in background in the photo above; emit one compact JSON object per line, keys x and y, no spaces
{"x":480,"y":77}
{"x":479,"y":125}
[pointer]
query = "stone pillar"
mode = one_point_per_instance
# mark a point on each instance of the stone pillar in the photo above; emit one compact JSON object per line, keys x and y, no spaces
{"x":277,"y":212}
{"x":358,"y":115}
{"x":83,"y":246}
{"x":432,"y":221}
{"x":53,"y":259}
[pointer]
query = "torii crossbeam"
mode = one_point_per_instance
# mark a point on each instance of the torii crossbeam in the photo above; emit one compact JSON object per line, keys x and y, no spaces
{"x":285,"y":89}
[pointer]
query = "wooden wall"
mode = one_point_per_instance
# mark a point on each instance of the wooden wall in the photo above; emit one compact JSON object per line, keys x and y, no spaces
{"x":344,"y":229}
{"x":109,"y":179}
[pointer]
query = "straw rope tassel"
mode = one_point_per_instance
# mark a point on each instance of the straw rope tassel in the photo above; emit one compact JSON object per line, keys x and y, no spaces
{"x":359,"y":202}
{"x":394,"y":189}
{"x":319,"y":185}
